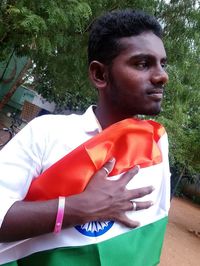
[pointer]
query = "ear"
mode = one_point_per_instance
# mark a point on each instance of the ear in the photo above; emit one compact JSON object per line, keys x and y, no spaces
{"x":98,"y":74}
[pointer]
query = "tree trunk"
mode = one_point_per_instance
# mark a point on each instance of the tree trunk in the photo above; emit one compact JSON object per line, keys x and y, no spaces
{"x":19,"y":81}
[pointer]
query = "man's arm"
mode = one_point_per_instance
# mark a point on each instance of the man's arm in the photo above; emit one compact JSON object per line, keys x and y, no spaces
{"x":103,"y":199}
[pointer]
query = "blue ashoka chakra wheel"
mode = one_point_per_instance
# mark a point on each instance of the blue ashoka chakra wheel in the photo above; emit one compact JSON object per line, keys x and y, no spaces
{"x":94,"y":229}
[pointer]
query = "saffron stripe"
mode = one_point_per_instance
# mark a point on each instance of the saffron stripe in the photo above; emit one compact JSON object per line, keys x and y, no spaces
{"x":132,"y":142}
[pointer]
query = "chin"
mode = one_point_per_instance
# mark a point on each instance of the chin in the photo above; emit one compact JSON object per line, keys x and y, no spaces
{"x":157,"y":112}
{"x":154,"y":109}
{"x":151,"y":112}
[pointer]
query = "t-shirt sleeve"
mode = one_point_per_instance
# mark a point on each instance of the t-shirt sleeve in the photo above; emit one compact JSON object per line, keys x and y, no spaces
{"x":166,"y":185}
{"x":20,"y":162}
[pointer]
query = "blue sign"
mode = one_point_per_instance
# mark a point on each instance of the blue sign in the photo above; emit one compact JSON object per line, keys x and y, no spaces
{"x":94,"y":229}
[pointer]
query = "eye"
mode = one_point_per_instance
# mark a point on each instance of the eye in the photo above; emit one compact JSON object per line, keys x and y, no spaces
{"x":164,"y":65}
{"x":142,"y":65}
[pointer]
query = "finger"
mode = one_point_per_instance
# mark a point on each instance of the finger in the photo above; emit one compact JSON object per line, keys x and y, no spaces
{"x":122,"y":218}
{"x":136,"y":206}
{"x":125,"y":178}
{"x":108,"y":167}
{"x":139,"y":192}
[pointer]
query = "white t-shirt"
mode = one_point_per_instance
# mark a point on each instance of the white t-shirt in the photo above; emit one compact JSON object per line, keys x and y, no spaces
{"x":36,"y":147}
{"x":40,"y":144}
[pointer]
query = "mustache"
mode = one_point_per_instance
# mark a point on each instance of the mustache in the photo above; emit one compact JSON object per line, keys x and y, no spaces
{"x":156,"y":89}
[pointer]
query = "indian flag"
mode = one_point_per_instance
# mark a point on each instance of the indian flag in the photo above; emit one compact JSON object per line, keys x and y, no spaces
{"x":108,"y":243}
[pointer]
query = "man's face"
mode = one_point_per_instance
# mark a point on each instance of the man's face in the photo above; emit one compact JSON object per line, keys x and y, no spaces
{"x":137,"y":76}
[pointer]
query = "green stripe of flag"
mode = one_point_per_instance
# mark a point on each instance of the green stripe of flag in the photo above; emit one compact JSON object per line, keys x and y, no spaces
{"x":139,"y":247}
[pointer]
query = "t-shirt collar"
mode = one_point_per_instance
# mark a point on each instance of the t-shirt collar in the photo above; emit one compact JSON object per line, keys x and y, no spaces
{"x":91,"y":123}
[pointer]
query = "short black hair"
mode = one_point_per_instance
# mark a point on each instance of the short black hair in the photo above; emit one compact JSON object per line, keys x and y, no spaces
{"x":105,"y":32}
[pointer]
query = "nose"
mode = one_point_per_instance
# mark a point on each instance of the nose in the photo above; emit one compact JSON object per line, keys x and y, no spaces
{"x":159,"y":76}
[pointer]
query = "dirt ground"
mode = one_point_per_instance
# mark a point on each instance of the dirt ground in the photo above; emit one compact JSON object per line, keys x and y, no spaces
{"x":182,"y":240}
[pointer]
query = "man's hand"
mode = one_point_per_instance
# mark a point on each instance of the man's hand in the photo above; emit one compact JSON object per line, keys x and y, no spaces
{"x":102,"y":199}
{"x":105,"y":199}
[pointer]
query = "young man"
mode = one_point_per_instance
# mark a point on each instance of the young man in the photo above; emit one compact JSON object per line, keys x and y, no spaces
{"x":110,"y":212}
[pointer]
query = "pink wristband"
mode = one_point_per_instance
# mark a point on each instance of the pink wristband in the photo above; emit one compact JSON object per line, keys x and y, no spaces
{"x":60,"y":215}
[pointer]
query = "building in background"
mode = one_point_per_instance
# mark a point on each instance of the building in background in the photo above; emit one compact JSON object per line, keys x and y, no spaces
{"x":24,"y":100}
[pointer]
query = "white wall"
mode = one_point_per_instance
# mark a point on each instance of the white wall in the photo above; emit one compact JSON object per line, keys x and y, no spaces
{"x":44,"y":104}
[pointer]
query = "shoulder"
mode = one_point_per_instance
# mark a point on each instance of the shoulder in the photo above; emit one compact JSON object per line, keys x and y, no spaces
{"x":158,"y":128}
{"x":51,"y":121}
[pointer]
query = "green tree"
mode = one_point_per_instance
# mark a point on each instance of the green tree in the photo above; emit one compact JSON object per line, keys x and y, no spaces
{"x":50,"y":33}
{"x":181,"y":112}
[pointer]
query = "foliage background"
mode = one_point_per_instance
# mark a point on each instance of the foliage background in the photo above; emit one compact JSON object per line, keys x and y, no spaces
{"x":53,"y":34}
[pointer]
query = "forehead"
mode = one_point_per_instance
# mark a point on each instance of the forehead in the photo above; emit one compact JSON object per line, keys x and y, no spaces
{"x":145,"y":43}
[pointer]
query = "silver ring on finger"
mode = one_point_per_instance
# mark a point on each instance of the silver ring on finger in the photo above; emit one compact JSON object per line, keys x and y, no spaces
{"x":134,"y":205}
{"x":107,"y":172}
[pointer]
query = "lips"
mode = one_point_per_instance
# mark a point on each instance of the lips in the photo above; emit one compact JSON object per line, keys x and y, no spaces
{"x":155,"y":94}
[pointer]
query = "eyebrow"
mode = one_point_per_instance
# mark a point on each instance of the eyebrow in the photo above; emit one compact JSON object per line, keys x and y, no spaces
{"x":146,"y":56}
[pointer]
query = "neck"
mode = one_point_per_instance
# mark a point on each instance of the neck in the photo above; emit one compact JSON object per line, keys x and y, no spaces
{"x":107,"y":116}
